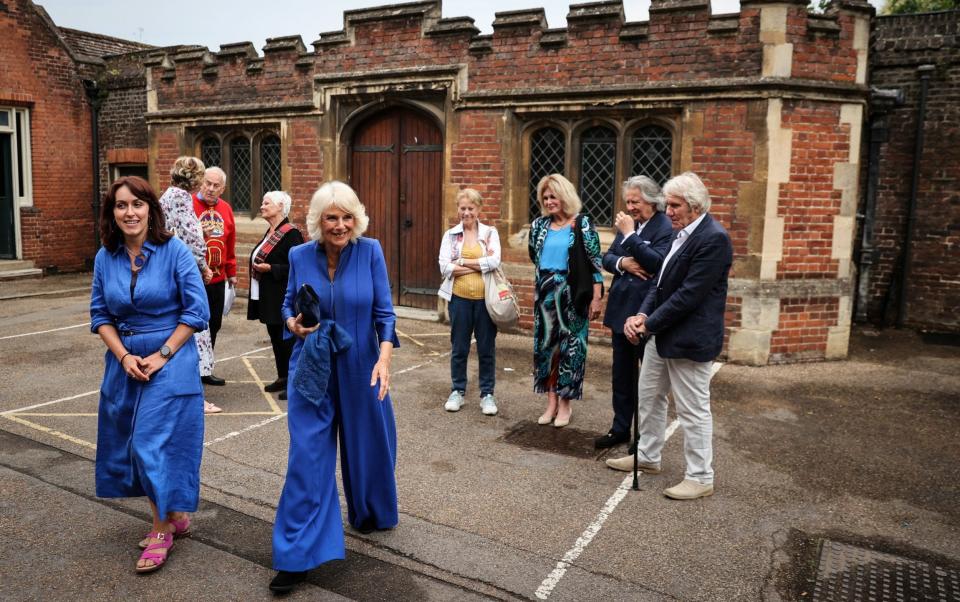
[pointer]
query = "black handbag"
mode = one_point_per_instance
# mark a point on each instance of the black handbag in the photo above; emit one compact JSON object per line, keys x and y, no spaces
{"x":580,"y":273}
{"x":307,"y":304}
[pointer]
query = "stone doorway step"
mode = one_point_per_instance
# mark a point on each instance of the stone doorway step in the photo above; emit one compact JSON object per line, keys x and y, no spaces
{"x":11,"y":269}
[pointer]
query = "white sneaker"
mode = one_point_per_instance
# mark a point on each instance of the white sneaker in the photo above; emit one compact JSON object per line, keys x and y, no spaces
{"x":488,"y":404}
{"x":454,"y":402}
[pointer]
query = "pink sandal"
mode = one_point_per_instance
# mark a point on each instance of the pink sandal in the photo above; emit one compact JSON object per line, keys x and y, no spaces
{"x":158,"y":560}
{"x":181,"y":528}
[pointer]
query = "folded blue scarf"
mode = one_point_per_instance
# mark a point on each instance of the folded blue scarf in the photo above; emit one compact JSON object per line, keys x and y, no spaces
{"x":313,"y":367}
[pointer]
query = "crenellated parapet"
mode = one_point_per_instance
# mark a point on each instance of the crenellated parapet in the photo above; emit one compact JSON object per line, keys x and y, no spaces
{"x":680,"y":45}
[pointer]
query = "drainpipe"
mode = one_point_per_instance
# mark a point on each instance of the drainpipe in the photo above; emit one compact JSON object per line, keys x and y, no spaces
{"x":881,"y":102}
{"x":924,"y":72}
{"x":92,"y":89}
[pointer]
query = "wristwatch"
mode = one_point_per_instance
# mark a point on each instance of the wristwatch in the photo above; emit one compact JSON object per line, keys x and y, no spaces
{"x":166,"y":352}
{"x":460,"y":262}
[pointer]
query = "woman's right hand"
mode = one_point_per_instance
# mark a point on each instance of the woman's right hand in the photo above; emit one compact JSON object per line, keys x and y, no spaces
{"x":296,"y":326}
{"x":131,"y":365}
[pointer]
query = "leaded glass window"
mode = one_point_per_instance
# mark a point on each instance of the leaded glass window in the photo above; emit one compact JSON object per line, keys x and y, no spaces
{"x":548,"y":148}
{"x":210,"y":152}
{"x":269,"y":164}
{"x":240,"y":170}
{"x":651,"y":153}
{"x":598,"y":172}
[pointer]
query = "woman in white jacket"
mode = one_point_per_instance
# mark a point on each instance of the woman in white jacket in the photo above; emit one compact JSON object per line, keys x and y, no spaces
{"x":469,"y":250}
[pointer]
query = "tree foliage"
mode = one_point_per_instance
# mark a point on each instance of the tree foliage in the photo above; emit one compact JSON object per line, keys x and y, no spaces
{"x":906,"y":7}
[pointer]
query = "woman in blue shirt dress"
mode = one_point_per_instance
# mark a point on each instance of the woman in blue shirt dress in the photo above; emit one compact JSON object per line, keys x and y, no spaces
{"x":349,"y":274}
{"x":559,"y":330}
{"x":147,"y":301}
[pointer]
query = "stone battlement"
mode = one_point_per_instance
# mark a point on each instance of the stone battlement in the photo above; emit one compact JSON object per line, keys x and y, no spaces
{"x":681,"y":41}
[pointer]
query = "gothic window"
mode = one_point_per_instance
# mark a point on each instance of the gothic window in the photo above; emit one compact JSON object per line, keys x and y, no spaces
{"x":604,"y":155}
{"x":548,"y":149}
{"x":269,"y":164}
{"x":598,"y":173}
{"x":251,"y":159}
{"x":651,"y":153}
{"x":240,"y":172}
{"x":210,"y":152}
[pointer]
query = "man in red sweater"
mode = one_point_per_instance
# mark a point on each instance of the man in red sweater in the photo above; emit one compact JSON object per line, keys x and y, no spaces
{"x":220,"y":234}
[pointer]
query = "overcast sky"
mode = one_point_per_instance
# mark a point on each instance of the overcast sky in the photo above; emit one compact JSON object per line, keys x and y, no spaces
{"x":215,"y":22}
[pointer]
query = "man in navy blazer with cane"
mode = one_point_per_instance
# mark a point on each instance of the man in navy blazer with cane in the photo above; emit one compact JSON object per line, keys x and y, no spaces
{"x":634,"y":258}
{"x":682,"y":321}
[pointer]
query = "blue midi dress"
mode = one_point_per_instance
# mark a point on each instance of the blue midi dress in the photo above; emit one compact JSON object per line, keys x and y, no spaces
{"x":308,"y":530}
{"x":150,"y":434}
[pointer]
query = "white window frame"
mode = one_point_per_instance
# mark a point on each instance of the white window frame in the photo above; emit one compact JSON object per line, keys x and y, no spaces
{"x":24,"y":198}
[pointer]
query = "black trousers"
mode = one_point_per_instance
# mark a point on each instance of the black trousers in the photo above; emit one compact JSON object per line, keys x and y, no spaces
{"x":281,"y":348}
{"x":215,"y":294}
{"x":626,"y":375}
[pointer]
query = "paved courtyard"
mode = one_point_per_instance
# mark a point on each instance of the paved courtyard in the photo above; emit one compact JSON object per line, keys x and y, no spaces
{"x":862,"y":452}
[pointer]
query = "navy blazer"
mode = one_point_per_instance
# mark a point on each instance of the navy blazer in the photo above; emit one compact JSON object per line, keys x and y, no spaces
{"x":685,"y":312}
{"x":627,"y":291}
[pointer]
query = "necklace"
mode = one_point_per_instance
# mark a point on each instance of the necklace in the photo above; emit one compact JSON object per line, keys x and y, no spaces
{"x":137,"y":259}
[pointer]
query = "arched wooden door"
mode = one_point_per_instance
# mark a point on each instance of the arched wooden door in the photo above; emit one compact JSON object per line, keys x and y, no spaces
{"x":396,"y":166}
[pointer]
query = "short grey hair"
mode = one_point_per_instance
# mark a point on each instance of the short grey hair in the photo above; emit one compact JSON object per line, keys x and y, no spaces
{"x":217,"y":170}
{"x":649,"y":190}
{"x":690,"y":188}
{"x":339,"y":195}
{"x":281,"y":199}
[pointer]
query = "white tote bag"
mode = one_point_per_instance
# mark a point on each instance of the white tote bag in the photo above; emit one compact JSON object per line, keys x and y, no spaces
{"x":500,"y":299}
{"x":229,"y":296}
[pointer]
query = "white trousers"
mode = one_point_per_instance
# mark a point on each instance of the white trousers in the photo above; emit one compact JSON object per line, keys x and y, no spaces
{"x":690,"y":382}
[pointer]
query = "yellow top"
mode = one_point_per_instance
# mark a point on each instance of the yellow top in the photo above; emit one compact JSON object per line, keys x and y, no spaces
{"x":469,"y":286}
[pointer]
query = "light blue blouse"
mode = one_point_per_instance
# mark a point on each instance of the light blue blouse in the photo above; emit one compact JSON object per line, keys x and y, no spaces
{"x":555,"y":251}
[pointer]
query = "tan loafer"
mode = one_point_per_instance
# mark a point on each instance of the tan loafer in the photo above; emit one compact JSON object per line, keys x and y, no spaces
{"x":688,"y":490}
{"x":626,"y":465}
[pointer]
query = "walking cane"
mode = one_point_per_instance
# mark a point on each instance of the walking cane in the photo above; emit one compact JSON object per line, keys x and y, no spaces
{"x":636,"y":442}
{"x":636,"y":433}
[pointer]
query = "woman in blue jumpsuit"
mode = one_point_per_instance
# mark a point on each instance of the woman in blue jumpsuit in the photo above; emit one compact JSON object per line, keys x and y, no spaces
{"x":147,"y":300}
{"x":349,"y":275}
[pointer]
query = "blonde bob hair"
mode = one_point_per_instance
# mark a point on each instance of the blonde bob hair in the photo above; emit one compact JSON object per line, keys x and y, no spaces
{"x":563,"y":190}
{"x":187,"y":173}
{"x":470,"y":195}
{"x":339,"y":195}
{"x":280,"y":199}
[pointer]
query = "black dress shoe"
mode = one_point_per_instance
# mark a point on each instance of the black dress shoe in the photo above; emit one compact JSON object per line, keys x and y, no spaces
{"x":213,"y":380}
{"x":367,"y":527}
{"x":610,"y":439}
{"x":278,"y":385}
{"x":285,"y":581}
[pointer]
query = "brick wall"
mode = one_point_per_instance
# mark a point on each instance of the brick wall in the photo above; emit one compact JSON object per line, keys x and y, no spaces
{"x":899,"y":45}
{"x":707,"y":74}
{"x":37,"y":71}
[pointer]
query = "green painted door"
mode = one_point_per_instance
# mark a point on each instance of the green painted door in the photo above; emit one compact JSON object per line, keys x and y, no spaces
{"x":8,"y":233}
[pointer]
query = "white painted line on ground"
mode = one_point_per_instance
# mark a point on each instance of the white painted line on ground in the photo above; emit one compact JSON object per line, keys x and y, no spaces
{"x":419,"y":365}
{"x":245,"y":429}
{"x":46,"y":403}
{"x":547,"y":585}
{"x":27,"y":334}
{"x":233,"y":357}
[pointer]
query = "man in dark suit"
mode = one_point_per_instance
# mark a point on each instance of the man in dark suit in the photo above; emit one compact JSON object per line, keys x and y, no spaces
{"x":682,"y":318}
{"x":642,"y":241}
